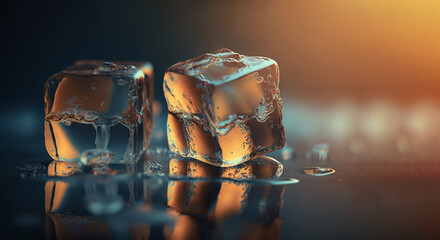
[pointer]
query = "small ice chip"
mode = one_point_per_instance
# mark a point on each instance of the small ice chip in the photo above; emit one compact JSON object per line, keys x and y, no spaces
{"x":321,"y":152}
{"x":287,"y":153}
{"x":96,"y":161}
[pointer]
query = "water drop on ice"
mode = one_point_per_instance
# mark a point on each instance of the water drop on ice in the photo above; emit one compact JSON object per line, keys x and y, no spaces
{"x":67,"y":123}
{"x":269,"y":78}
{"x":318,"y":171}
{"x":105,"y":67}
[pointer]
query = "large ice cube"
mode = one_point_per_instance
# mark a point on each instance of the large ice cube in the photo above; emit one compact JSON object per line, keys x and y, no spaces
{"x":224,"y":108}
{"x":101,"y":106}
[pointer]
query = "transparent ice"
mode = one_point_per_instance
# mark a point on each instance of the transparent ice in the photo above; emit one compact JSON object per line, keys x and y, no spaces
{"x":287,"y":153}
{"x":96,"y":161}
{"x":102,"y":106}
{"x":321,"y":152}
{"x":224,"y":108}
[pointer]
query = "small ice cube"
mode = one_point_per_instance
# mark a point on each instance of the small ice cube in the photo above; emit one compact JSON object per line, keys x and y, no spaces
{"x":96,"y":161}
{"x":321,"y":152}
{"x":287,"y":153}
{"x":86,"y":102}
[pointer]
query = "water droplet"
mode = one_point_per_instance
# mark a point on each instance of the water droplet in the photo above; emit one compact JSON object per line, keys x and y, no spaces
{"x":318,"y":171}
{"x":269,"y":78}
{"x":106,"y":67}
{"x":260,"y":79}
{"x":93,"y":86}
{"x":102,"y":103}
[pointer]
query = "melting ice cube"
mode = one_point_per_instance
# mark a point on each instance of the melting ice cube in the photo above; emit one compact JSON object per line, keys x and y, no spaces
{"x":100,"y":105}
{"x":224,"y":108}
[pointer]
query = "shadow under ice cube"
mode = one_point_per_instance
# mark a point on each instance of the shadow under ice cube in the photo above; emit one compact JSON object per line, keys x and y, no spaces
{"x":97,"y":106}
{"x":224,"y":108}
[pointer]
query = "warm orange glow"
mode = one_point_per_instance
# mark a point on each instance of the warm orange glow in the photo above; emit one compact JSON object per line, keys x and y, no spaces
{"x":66,"y":149}
{"x":55,"y":192}
{"x":71,"y":94}
{"x":62,"y":169}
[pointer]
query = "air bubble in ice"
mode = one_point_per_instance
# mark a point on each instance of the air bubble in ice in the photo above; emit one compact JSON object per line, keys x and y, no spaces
{"x":318,"y":171}
{"x":67,"y":123}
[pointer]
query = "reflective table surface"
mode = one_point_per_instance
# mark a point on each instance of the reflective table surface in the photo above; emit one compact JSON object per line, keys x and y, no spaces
{"x":372,"y":194}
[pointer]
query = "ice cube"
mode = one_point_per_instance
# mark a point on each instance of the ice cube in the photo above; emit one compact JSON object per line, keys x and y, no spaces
{"x":224,"y":108}
{"x":287,"y":153}
{"x":99,"y":106}
{"x":95,"y":161}
{"x":321,"y":151}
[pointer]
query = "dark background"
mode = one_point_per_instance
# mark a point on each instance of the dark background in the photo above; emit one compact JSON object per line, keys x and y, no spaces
{"x":359,"y":51}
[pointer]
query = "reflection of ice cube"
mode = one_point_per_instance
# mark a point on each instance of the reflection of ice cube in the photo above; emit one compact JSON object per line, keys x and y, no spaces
{"x":102,"y":198}
{"x":321,"y":152}
{"x":225,"y":108}
{"x":97,"y":106}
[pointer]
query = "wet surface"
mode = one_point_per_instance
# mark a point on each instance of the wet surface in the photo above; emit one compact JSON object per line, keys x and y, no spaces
{"x":367,"y":197}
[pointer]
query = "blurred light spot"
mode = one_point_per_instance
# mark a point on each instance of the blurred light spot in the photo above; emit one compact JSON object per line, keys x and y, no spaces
{"x":357,"y":146}
{"x":20,"y":123}
{"x":342,"y":121}
{"x":403,"y":144}
{"x":381,"y":120}
{"x":423,"y":120}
